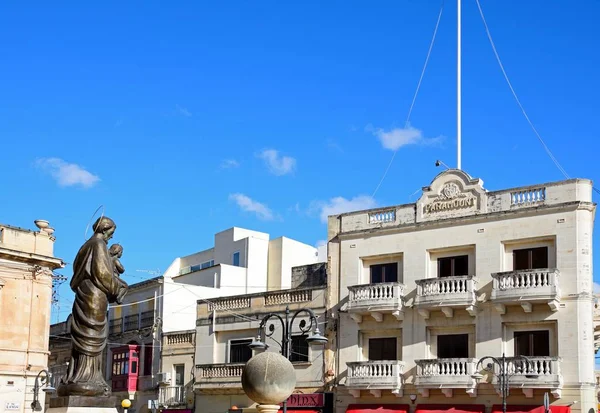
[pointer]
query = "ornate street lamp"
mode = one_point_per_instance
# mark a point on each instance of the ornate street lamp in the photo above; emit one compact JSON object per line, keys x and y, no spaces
{"x":503,"y":374}
{"x":316,"y":338}
{"x":45,"y":381}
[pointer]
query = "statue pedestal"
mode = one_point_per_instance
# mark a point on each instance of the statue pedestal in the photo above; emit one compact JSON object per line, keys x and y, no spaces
{"x":83,"y":404}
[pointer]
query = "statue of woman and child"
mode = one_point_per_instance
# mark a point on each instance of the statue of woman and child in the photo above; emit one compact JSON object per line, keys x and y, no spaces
{"x":96,"y":282}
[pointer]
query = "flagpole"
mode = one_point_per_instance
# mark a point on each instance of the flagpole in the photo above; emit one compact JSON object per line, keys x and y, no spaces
{"x":458,"y":88}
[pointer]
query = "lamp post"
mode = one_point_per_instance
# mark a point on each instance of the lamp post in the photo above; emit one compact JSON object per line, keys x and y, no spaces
{"x":286,"y":333}
{"x":503,"y":375}
{"x":35,"y":404}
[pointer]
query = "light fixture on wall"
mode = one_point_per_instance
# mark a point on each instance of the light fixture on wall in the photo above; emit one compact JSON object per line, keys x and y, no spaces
{"x":44,"y":386}
{"x":413,"y":398}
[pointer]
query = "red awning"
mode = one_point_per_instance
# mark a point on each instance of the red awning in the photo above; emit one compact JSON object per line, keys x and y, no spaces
{"x":377,"y":408}
{"x":449,"y":408}
{"x":533,"y":408}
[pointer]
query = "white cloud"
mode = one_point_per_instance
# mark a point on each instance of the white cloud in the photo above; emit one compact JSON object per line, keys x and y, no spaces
{"x":67,"y":174}
{"x":277,"y":164}
{"x":183,"y":111}
{"x":596,"y":288}
{"x":321,"y":243}
{"x":245,"y":203}
{"x":339,"y":205}
{"x":396,"y":138}
{"x":229,"y":163}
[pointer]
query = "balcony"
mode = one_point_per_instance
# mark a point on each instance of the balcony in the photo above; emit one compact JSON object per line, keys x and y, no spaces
{"x":171,"y":396}
{"x":211,"y":376}
{"x":375,"y":376}
{"x":446,"y":375}
{"x":376,"y":300}
{"x":525,"y":288}
{"x":544,"y":373}
{"x":115,"y":326}
{"x":132,"y":322}
{"x":147,"y":319}
{"x":446,"y":294}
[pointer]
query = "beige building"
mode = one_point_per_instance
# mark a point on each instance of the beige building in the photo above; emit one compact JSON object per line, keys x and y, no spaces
{"x":422,"y":292}
{"x":225,"y":328}
{"x":26,"y":264}
{"x":176,"y":380}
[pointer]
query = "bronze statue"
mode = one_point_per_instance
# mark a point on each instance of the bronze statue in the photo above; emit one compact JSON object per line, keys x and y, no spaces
{"x":95,"y":285}
{"x":116,"y":252}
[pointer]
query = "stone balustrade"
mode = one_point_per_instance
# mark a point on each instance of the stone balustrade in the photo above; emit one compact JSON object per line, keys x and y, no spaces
{"x":375,"y":300}
{"x":209,"y":374}
{"x":526,"y":286}
{"x":375,"y":374}
{"x":528,"y":196}
{"x":446,"y":293}
{"x":179,"y":338}
{"x":229,"y":303}
{"x":288,"y":297}
{"x":382,"y":217}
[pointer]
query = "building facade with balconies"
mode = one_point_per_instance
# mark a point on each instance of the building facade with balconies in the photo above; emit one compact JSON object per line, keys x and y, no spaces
{"x":227,"y":326}
{"x":27,"y":263}
{"x":423,"y":291}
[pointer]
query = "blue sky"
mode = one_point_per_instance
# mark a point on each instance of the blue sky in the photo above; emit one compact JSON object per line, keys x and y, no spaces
{"x":184,"y":120}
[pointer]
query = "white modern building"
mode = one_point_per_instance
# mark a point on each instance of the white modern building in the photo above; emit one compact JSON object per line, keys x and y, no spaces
{"x":422,"y":292}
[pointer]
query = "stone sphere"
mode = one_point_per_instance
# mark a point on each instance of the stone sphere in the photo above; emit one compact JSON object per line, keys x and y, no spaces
{"x":268,"y":378}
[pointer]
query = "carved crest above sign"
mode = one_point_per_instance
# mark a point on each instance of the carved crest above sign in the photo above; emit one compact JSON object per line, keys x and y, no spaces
{"x":452,"y":193}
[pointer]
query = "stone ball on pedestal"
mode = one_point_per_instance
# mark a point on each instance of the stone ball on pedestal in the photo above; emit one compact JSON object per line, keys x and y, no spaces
{"x":268,"y":378}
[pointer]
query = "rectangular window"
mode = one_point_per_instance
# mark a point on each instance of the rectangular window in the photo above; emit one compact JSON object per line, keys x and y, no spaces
{"x":179,"y":374}
{"x":453,"y":266}
{"x":236,"y":259}
{"x":207,"y":264}
{"x":532,"y":343}
{"x":382,"y":348}
{"x":299,"y":348}
{"x":384,"y":273}
{"x":239,"y":352}
{"x":530,"y":258}
{"x":195,"y":268}
{"x":148,"y":359}
{"x":451,"y":346}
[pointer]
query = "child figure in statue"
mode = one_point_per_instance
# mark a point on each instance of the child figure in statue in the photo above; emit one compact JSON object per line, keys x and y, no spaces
{"x":116,"y":252}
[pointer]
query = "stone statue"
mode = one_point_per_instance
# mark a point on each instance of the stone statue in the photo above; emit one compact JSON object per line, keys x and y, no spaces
{"x":116,"y":252}
{"x":95,"y":285}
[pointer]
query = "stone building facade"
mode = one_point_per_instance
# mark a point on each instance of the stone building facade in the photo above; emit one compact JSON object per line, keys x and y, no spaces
{"x":421,"y":292}
{"x":225,"y":328}
{"x":26,"y":264}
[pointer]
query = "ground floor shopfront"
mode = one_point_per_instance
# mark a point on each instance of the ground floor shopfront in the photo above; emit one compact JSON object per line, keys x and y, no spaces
{"x":573,"y":400}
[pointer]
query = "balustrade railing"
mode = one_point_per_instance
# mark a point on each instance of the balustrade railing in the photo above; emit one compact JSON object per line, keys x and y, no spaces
{"x":230,"y":303}
{"x":528,"y":196}
{"x":219,"y":371}
{"x":381,"y":293}
{"x":132,"y":322}
{"x":446,"y":367}
{"x":381,"y":217}
{"x":180,"y":338}
{"x":537,"y":368}
{"x":171,"y":396}
{"x":288,"y":297}
{"x":375,"y":372}
{"x":446,"y":285}
{"x":542,"y":278}
{"x":147,"y":319}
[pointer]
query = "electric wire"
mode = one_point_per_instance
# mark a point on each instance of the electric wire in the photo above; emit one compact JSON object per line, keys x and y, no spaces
{"x":535,"y":131}
{"x":414,"y":99}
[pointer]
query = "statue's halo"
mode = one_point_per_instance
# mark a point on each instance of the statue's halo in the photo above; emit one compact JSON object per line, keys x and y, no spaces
{"x":91,"y":220}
